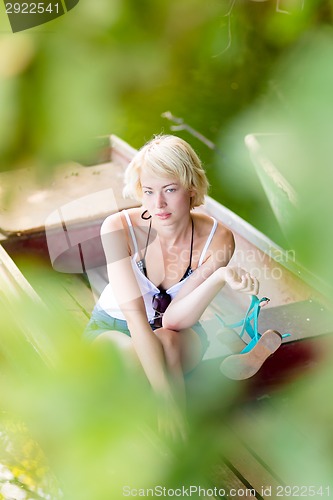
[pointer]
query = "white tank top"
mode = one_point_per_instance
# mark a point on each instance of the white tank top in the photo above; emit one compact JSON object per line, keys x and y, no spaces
{"x":107,"y":300}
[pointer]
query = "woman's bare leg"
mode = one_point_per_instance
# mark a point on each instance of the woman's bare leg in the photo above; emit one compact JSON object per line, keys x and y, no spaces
{"x":183,"y":352}
{"x":123,"y":342}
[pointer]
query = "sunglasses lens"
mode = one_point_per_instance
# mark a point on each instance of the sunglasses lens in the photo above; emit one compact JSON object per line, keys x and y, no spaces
{"x":161,"y":302}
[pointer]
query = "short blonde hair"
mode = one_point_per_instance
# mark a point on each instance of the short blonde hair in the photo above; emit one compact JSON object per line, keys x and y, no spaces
{"x":167,"y":155}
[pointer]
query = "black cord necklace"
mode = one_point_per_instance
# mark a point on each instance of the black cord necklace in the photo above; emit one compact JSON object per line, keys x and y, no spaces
{"x":142,"y":262}
{"x":189,"y":269}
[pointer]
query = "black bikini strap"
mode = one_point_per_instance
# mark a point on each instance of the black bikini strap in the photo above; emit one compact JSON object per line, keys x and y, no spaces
{"x":191,"y":243}
{"x":189,"y":269}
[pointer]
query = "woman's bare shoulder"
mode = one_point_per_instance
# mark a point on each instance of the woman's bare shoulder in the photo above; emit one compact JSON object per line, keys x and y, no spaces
{"x":222,"y":245}
{"x":112,"y":222}
{"x":205,"y":225}
{"x":117,"y":220}
{"x":135,"y":215}
{"x":222,"y":232}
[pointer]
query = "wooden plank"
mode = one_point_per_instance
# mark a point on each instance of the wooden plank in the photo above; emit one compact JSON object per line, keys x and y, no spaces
{"x":15,"y":288}
{"x":242,"y":472}
{"x":249,"y":465}
{"x":77,"y":297}
{"x":271,"y":433}
{"x":225,"y":477}
{"x":70,"y":291}
{"x":27,"y":205}
{"x":13,"y":283}
{"x":253,"y":426}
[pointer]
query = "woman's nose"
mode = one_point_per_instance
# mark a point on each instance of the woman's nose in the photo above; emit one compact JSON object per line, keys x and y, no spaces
{"x":160,"y":201}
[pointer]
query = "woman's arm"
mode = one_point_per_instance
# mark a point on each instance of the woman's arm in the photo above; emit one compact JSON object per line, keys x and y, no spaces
{"x":128,"y":295}
{"x":202,"y":286}
{"x":187,"y":309}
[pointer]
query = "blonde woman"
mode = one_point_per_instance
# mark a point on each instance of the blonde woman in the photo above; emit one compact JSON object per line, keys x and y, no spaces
{"x":166,"y":263}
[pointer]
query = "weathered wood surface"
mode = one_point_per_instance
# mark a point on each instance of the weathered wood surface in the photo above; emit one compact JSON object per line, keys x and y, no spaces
{"x":67,"y":226}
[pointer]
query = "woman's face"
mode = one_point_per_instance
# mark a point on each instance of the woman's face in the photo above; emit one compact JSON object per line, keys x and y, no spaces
{"x":164,"y":197}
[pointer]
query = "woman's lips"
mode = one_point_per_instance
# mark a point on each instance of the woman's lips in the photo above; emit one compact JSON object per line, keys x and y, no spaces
{"x":163,"y":216}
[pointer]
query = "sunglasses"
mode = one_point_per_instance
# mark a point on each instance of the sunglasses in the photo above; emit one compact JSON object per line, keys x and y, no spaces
{"x":160,"y":303}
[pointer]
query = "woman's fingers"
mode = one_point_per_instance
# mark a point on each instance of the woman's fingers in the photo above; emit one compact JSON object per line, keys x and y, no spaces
{"x":251,"y":284}
{"x":242,"y":281}
{"x":255,"y":286}
{"x":173,"y":425}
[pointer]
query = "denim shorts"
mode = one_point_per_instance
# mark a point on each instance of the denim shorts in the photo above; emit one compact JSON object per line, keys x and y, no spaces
{"x":101,"y":322}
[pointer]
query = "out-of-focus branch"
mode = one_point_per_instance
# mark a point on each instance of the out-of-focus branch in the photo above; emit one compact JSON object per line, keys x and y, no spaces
{"x":184,"y":126}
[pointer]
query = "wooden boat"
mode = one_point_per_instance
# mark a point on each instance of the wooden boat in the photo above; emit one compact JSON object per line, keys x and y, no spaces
{"x":61,"y":222}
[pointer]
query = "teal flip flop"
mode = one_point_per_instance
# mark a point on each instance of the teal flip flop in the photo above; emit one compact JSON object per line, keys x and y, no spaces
{"x":251,"y":358}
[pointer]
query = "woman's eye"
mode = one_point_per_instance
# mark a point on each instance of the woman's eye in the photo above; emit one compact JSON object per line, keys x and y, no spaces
{"x":148,"y":192}
{"x":171,"y":190}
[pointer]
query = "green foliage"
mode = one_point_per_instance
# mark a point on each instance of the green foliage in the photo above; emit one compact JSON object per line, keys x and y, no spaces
{"x":228,"y":69}
{"x":80,"y":423}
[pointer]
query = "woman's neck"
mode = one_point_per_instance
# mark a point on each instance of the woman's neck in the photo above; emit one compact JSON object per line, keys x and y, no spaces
{"x":174,"y":234}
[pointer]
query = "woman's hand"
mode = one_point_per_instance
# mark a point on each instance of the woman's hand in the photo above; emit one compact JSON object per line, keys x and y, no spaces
{"x":240,"y":280}
{"x":171,"y":420}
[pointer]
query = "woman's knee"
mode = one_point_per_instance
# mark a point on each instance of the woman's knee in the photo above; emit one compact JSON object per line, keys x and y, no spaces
{"x":169,"y":338}
{"x":171,"y":346}
{"x":191,"y":349}
{"x":115,"y":338}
